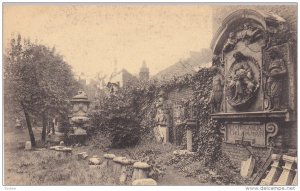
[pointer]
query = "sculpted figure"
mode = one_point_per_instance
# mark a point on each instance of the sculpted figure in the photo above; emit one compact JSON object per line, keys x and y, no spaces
{"x":241,"y":81}
{"x":216,"y":95}
{"x":231,"y":42}
{"x":275,"y":74}
{"x":250,"y":34}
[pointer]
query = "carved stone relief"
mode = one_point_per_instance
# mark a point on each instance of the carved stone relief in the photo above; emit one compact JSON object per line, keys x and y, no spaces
{"x":242,"y":86}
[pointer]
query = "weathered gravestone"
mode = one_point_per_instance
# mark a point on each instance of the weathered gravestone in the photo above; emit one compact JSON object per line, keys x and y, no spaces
{"x":254,"y":90}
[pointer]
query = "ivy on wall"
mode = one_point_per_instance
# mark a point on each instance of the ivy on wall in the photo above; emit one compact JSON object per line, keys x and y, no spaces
{"x":128,"y":116}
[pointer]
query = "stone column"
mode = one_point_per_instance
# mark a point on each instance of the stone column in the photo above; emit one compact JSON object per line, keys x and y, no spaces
{"x":144,"y":182}
{"x":165,"y":133}
{"x":274,"y":173}
{"x":124,"y":164}
{"x":141,"y":170}
{"x":108,"y":162}
{"x":189,"y":139}
{"x":117,"y":166}
{"x":288,"y":173}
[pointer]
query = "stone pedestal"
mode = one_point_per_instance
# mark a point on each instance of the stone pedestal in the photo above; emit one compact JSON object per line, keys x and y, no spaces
{"x":117,"y":166}
{"x":28,"y":145}
{"x":141,"y":170}
{"x":189,"y":139}
{"x":108,"y":162}
{"x":288,"y":173}
{"x":164,"y":130}
{"x":124,"y":163}
{"x":274,"y":173}
{"x":247,"y":167}
{"x":82,"y":155}
{"x":144,"y":182}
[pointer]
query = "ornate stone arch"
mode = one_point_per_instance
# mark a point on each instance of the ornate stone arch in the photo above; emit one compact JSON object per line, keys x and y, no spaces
{"x":273,"y":25}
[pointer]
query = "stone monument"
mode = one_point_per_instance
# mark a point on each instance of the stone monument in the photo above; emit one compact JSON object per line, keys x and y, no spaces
{"x":254,"y":88}
{"x":79,"y":120}
{"x":162,"y":118}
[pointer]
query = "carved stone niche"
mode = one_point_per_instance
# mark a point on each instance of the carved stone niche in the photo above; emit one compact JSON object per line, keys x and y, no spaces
{"x":259,"y":69}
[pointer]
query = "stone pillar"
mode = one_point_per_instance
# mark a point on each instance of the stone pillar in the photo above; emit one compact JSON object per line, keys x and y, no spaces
{"x":28,"y":145}
{"x":108,"y":162}
{"x":274,"y":173}
{"x":117,"y":166}
{"x":189,"y":139}
{"x":141,"y":170}
{"x":165,"y":133}
{"x":288,"y":173}
{"x":124,"y":164}
{"x":144,"y":182}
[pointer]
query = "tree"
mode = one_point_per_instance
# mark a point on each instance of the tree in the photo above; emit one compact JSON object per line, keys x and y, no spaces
{"x":38,"y":80}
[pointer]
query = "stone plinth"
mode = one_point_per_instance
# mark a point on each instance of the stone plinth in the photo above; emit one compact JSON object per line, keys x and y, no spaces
{"x":274,"y":173}
{"x":183,"y":152}
{"x":144,"y":182}
{"x":28,"y":145}
{"x":189,"y":139}
{"x":95,"y":161}
{"x":108,"y":161}
{"x":164,"y":130}
{"x":124,"y":163}
{"x":82,"y":155}
{"x":117,"y":165}
{"x":288,"y":173}
{"x":141,"y":170}
{"x":247,"y":167}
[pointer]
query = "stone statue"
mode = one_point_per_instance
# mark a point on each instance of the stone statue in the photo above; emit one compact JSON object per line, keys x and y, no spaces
{"x":250,"y":34}
{"x":216,"y":95}
{"x":231,"y":42}
{"x":162,"y":118}
{"x":275,"y":74}
{"x":241,"y":81}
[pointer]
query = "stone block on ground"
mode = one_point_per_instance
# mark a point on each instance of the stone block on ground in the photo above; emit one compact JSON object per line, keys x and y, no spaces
{"x":183,"y":152}
{"x":141,"y":170}
{"x":109,"y":156}
{"x":28,"y":145}
{"x":247,"y":167}
{"x":95,"y":161}
{"x":144,"y":182}
{"x":82,"y":155}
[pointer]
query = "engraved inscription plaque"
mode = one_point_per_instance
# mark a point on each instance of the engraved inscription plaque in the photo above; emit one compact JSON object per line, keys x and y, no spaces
{"x":254,"y":134}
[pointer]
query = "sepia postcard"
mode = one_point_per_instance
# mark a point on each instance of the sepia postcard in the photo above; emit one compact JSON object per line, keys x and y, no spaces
{"x":150,"y":94}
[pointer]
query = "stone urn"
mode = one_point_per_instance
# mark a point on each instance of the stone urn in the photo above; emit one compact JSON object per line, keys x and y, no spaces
{"x":79,"y":119}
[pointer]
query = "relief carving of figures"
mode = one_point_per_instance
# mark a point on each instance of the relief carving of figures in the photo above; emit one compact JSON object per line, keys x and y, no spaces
{"x":231,"y":42}
{"x":241,"y":83}
{"x":216,"y":95}
{"x":275,"y":74}
{"x":248,"y":34}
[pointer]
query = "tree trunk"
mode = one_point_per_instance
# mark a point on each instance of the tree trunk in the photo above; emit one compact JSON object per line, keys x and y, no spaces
{"x":29,"y":127}
{"x":43,"y":139}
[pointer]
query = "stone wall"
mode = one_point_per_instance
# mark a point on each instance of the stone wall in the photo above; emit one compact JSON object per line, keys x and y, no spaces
{"x":238,"y":153}
{"x":177,"y":96}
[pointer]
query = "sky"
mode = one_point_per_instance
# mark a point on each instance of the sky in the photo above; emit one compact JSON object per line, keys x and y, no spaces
{"x":93,"y":37}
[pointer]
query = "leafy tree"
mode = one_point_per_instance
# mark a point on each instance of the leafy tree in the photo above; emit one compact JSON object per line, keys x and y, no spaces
{"x":39,"y":81}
